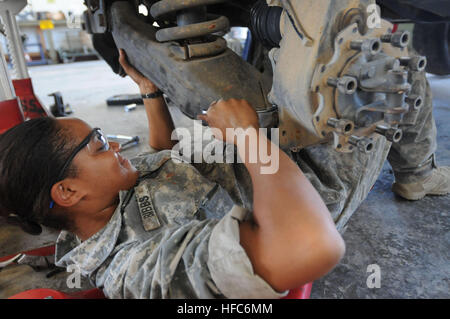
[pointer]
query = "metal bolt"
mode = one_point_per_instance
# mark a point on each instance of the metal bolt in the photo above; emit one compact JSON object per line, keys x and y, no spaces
{"x":345,"y":85}
{"x":392,"y":134}
{"x":341,"y":126}
{"x":415,"y":63}
{"x":364,"y":144}
{"x":369,"y":46}
{"x":399,"y":39}
{"x":414,"y":101}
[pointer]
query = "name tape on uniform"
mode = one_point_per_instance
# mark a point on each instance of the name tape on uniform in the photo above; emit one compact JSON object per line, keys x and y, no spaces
{"x":150,"y":220}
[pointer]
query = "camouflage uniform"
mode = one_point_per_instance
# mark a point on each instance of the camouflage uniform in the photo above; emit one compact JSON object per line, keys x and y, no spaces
{"x":191,"y":249}
{"x":175,"y":235}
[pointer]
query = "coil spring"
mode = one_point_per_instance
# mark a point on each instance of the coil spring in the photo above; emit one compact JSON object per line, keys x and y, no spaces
{"x":191,"y":21}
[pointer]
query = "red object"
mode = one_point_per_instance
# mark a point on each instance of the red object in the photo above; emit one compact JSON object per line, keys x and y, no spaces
{"x":395,"y":28}
{"x":44,"y":293}
{"x":43,"y":251}
{"x":303,"y":292}
{"x":32,"y":107}
{"x":10,"y":114}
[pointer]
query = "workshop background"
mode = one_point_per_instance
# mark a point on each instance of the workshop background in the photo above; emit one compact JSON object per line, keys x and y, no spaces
{"x":409,"y":241}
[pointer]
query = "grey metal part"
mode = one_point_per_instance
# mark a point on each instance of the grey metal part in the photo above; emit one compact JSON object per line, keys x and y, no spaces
{"x":392,"y":134}
{"x":95,"y":21}
{"x":8,"y":10}
{"x":191,"y":84}
{"x":364,"y":144}
{"x":6,"y":87}
{"x":399,"y":39}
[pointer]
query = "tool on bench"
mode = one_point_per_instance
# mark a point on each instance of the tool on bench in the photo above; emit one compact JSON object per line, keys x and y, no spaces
{"x":125,"y":141}
{"x":59,"y":109}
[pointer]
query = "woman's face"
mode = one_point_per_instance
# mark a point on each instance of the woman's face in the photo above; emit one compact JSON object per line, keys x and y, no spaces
{"x":102,"y":174}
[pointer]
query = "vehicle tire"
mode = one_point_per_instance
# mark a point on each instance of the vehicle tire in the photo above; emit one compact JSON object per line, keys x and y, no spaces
{"x":433,"y":41}
{"x":124,"y":99}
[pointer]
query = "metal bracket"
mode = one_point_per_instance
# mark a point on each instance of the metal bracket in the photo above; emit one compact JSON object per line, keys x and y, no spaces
{"x":95,"y":20}
{"x":8,"y":11}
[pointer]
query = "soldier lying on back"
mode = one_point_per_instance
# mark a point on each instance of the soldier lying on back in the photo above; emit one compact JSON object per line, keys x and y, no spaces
{"x":156,"y":228}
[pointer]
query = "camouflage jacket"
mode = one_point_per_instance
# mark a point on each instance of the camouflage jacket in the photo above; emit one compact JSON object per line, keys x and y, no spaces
{"x":175,"y":235}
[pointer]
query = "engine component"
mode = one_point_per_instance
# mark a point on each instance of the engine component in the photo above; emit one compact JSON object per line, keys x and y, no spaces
{"x":265,"y":23}
{"x":191,"y":84}
{"x":416,"y":63}
{"x":392,"y":134}
{"x":364,"y":144}
{"x":94,"y":18}
{"x":357,"y":88}
{"x":366,"y":46}
{"x":371,"y":94}
{"x":341,"y":126}
{"x":192,"y":27}
{"x":398,"y":39}
{"x":345,"y":85}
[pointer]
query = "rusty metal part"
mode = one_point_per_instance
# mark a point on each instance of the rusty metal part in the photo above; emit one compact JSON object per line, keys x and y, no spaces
{"x":190,"y":84}
{"x":193,"y":30}
{"x":382,"y":90}
{"x":361,"y":78}
{"x":193,"y":27}
{"x":205,"y":49}
{"x":351,"y":16}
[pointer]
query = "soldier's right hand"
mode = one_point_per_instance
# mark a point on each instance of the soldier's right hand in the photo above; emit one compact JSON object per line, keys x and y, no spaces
{"x":234,"y":114}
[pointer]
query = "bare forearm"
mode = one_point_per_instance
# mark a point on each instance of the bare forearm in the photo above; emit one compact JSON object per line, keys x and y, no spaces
{"x":160,"y":121}
{"x":293,"y":239}
{"x":284,"y":189}
{"x":288,"y":211}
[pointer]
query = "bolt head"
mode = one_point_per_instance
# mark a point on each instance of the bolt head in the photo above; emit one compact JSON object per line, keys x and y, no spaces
{"x":347,"y":85}
{"x":365,"y":145}
{"x":400,"y":39}
{"x":394,"y":135}
{"x":418,"y":63}
{"x":371,"y":46}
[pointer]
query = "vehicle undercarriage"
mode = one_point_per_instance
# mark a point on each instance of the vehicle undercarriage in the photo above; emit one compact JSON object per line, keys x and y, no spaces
{"x":339,"y":73}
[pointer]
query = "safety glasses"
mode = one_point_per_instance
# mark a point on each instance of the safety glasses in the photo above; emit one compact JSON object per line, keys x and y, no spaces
{"x":95,"y":143}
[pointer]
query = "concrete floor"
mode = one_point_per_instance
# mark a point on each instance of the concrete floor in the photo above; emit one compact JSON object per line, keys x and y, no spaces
{"x":409,"y":241}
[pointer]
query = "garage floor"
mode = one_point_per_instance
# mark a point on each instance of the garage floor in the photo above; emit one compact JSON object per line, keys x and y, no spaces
{"x":409,"y":241}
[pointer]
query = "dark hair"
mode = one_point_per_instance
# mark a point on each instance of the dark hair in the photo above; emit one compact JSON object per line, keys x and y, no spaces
{"x":31,"y":156}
